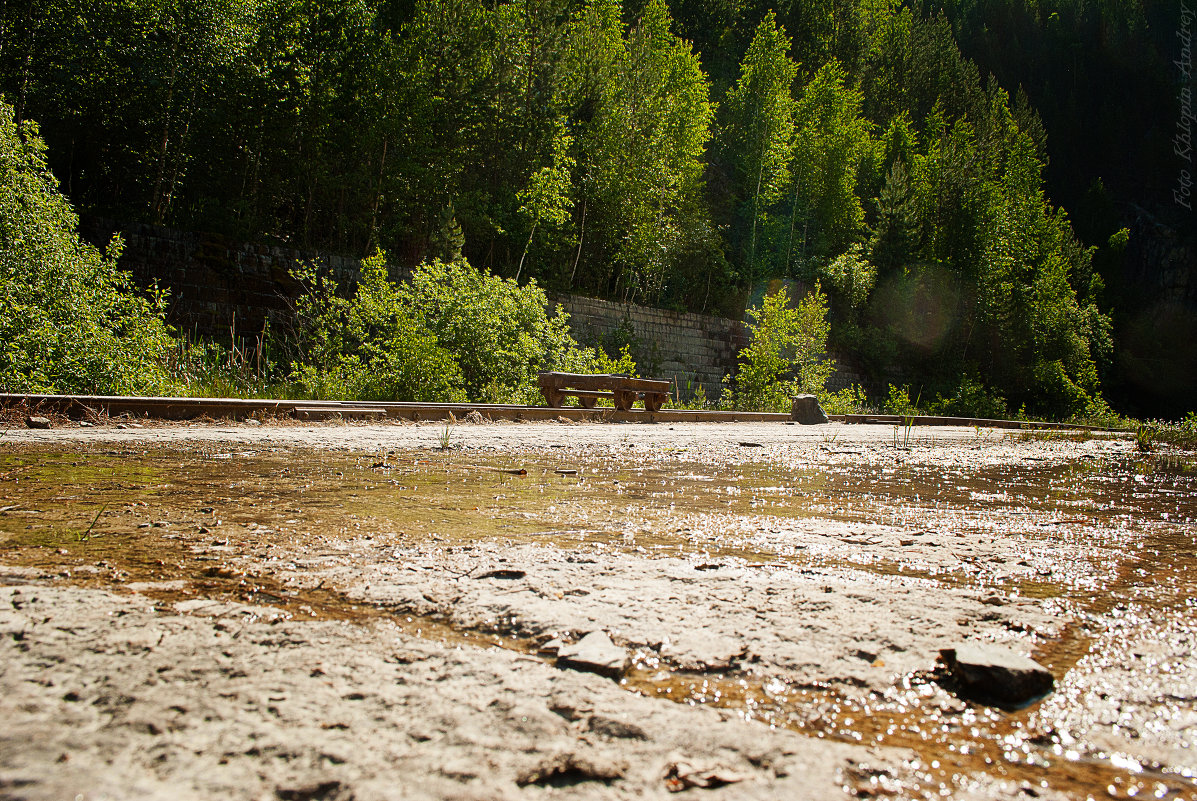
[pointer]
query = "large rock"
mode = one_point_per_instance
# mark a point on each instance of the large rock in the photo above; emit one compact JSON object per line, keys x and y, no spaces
{"x":805,"y":409}
{"x":594,"y":653}
{"x":996,"y":675}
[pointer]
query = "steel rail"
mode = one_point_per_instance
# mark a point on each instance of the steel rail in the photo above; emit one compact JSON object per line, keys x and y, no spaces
{"x":176,"y":408}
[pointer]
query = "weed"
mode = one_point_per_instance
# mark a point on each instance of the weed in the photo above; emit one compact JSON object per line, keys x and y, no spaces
{"x":86,"y":535}
{"x":698,"y":398}
{"x":1180,"y":434}
{"x":906,"y":428}
{"x":445,"y":436}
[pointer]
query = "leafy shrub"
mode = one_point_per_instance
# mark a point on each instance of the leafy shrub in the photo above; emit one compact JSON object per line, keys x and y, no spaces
{"x":70,"y":321}
{"x":851,"y":276}
{"x":899,"y":402}
{"x":497,"y":331}
{"x":1097,"y":412}
{"x":453,"y":333}
{"x":849,"y":400}
{"x":972,"y":399}
{"x":369,"y":346}
{"x":785,"y":355}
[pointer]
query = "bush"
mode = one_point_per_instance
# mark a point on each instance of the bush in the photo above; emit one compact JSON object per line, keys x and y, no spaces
{"x":369,"y":346}
{"x":785,"y":355}
{"x":849,"y":400}
{"x":498,"y":331}
{"x":70,"y":321}
{"x":972,"y":399}
{"x":453,"y":333}
{"x":851,"y":276}
{"x":899,"y":402}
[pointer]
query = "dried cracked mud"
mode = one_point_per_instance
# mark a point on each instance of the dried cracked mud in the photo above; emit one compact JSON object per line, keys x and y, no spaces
{"x":373,"y":612}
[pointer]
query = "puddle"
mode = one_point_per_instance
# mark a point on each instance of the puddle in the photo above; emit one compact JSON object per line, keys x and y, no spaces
{"x":1102,"y":538}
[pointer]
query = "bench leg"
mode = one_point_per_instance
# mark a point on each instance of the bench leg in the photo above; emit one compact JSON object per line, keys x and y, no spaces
{"x":624,"y":399}
{"x":653,"y":401}
{"x":586,"y":403}
{"x":552,"y":397}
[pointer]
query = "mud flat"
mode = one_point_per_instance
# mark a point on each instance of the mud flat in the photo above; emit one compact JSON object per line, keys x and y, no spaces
{"x":349,"y":611}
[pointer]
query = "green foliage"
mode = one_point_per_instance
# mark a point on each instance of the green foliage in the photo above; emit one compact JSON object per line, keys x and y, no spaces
{"x":1180,"y":434}
{"x":451,"y":333}
{"x":786,"y":354}
{"x":830,"y":140}
{"x":898,"y":402}
{"x":849,"y":400}
{"x":567,"y":141}
{"x":70,"y":321}
{"x":1098,"y":413}
{"x":496,"y":330}
{"x":758,"y":130}
{"x":546,"y":198}
{"x":698,"y":399}
{"x":369,"y":346}
{"x":211,"y":370}
{"x":850,"y":275}
{"x":972,"y":399}
{"x":645,"y":120}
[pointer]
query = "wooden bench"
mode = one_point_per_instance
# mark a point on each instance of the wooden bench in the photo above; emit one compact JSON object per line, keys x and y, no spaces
{"x":621,"y":389}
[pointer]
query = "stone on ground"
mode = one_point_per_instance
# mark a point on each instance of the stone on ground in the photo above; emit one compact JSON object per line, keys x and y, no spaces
{"x":993,"y":674}
{"x":807,"y":411}
{"x":594,"y":653}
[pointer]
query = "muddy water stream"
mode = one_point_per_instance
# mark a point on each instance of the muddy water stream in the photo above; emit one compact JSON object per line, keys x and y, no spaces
{"x":1109,"y":543}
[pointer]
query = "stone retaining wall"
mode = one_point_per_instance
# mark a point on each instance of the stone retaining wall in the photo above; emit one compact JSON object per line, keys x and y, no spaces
{"x":691,"y":350}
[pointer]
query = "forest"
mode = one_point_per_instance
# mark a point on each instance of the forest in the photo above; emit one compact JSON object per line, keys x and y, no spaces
{"x":962,"y":179}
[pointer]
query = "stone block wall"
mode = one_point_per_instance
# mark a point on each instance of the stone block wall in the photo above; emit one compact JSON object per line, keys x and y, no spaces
{"x":691,"y":350}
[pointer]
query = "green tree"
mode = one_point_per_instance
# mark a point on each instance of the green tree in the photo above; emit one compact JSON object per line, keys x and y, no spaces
{"x":786,"y":353}
{"x":1041,"y":339}
{"x":757,"y":133}
{"x":546,"y":199}
{"x":643,"y":146}
{"x":70,"y":321}
{"x":830,"y":138}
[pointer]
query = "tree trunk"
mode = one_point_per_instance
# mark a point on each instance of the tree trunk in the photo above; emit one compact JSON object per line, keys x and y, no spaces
{"x":377,"y":197}
{"x":581,"y":239}
{"x":156,"y":203}
{"x":527,"y":245}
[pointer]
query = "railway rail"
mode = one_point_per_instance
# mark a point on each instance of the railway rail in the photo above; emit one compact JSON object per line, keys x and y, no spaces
{"x":175,"y":408}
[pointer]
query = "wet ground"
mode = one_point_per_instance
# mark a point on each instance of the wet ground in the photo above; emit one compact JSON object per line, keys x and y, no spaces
{"x":783,"y":594}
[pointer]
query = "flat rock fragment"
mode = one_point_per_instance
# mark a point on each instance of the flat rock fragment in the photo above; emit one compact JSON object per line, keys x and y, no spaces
{"x":993,"y":674}
{"x":615,"y":729}
{"x":594,"y":653}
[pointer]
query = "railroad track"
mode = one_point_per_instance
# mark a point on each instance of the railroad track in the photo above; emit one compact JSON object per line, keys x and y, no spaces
{"x":168,"y":408}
